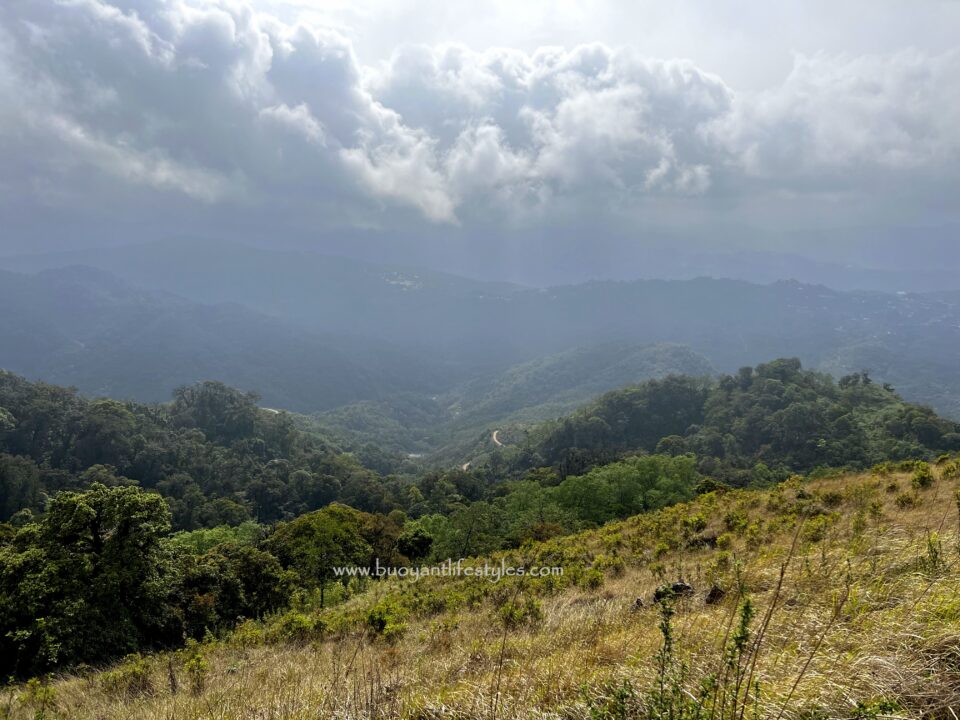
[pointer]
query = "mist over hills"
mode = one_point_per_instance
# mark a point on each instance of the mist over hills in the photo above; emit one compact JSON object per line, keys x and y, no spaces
{"x":83,"y":327}
{"x":312,"y":332}
{"x":909,"y":258}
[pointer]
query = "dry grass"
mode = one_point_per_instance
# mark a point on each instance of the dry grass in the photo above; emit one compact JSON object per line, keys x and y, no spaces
{"x":867,"y":618}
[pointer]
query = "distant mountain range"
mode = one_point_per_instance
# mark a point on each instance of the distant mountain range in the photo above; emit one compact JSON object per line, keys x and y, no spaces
{"x":82,"y":327}
{"x":312,"y":332}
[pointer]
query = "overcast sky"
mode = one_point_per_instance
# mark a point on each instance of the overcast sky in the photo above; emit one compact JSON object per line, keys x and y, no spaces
{"x":493,"y":134}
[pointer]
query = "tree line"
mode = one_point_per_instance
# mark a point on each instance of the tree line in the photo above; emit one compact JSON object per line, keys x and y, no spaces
{"x":127,"y":527}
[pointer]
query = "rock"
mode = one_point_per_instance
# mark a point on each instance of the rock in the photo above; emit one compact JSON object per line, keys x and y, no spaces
{"x":637,"y":604}
{"x":715,"y":595}
{"x":674,"y":590}
{"x":703,"y":540}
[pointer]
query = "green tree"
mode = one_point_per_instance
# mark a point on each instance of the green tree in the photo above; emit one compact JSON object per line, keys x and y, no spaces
{"x":316,"y":543}
{"x":20,"y":487}
{"x":89,"y":582}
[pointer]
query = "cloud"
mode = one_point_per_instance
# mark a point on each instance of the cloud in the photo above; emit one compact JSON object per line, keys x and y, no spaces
{"x":230,"y":108}
{"x":839,"y":114}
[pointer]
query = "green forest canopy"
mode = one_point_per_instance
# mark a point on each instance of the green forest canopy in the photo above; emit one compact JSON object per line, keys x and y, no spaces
{"x":208,"y":509}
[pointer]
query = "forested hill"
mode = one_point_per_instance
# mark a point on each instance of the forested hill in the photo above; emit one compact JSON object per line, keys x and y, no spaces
{"x":91,"y":490}
{"x":287,"y":324}
{"x":215,"y":456}
{"x":776,"y":414}
{"x":218,"y":458}
{"x":86,"y":328}
{"x":445,"y":427}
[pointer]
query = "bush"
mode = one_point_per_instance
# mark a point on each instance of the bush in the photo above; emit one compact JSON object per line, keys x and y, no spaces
{"x":725,"y":541}
{"x":247,"y":634}
{"x":521,"y":611}
{"x":614,"y":702}
{"x":131,"y":679}
{"x":39,"y":695}
{"x":753,"y":535}
{"x":195,"y":665}
{"x":387,"y":620}
{"x":612,"y":564}
{"x":906,"y":500}
{"x":922,"y":476}
{"x":694,"y":523}
{"x":294,"y":627}
{"x":593,"y":579}
{"x":736,"y":521}
{"x":816,"y":528}
{"x":832,"y":498}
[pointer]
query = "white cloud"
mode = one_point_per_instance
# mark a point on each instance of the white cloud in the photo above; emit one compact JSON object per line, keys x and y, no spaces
{"x":842,"y":114}
{"x":298,"y":119}
{"x":222,"y":104}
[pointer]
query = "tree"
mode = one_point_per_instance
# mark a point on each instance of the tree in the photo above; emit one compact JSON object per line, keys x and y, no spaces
{"x":316,"y":543}
{"x":222,"y":413}
{"x":7,"y":421}
{"x":89,"y":582}
{"x":229,"y":582}
{"x":20,"y":487}
{"x":415,"y":542}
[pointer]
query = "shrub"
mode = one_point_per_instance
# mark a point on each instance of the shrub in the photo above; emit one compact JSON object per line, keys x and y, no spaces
{"x":593,"y":579}
{"x":387,"y":620}
{"x":906,"y":500}
{"x":247,"y":634}
{"x":816,"y":528}
{"x":922,"y":476}
{"x":736,"y":521}
{"x":832,"y":498}
{"x":612,"y":564}
{"x":521,"y":611}
{"x":614,"y":701}
{"x":933,"y":563}
{"x":694,"y":523}
{"x":725,"y":541}
{"x":39,"y":695}
{"x":294,"y":627}
{"x":131,"y":679}
{"x":196,"y":666}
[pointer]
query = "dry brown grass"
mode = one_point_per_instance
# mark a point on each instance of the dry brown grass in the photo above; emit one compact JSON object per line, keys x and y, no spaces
{"x":866,"y":613}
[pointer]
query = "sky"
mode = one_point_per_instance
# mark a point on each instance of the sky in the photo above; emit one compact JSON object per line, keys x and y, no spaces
{"x":529,"y":141}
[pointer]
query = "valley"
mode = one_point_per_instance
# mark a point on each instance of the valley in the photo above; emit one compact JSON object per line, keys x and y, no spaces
{"x":448,"y":360}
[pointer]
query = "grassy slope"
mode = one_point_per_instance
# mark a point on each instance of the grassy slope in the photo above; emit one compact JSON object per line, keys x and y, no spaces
{"x":865,"y":538}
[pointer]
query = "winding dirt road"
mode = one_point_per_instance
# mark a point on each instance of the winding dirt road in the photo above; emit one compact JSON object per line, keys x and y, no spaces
{"x":496,"y":440}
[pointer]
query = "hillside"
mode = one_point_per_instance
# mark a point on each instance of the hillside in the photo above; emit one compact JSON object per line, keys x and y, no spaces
{"x":218,"y":458}
{"x":480,"y":328}
{"x":211,"y":452}
{"x":776,"y":416}
{"x":226,"y":524}
{"x":821,"y":598}
{"x":446,"y":426}
{"x":82,"y":327}
{"x":556,"y":384}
